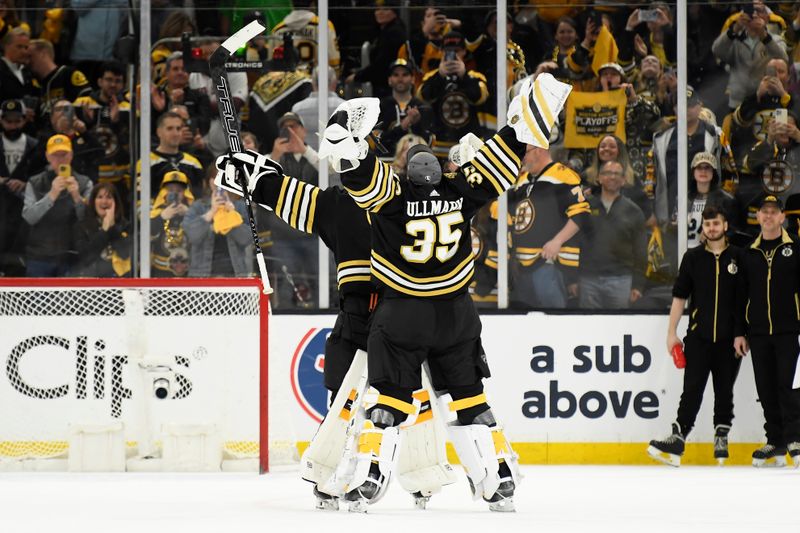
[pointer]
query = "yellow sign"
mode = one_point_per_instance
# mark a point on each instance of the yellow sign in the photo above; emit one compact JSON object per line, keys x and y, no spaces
{"x":590,"y":116}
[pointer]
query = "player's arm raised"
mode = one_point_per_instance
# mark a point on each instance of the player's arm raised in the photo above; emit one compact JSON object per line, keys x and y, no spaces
{"x":531,"y":115}
{"x":369,"y":181}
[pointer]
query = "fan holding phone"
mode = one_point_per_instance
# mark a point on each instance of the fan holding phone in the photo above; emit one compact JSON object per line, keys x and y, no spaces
{"x":55,"y":200}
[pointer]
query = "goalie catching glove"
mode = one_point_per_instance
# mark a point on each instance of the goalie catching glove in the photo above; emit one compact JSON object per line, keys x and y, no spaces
{"x":344,"y":141}
{"x":534,"y":111}
{"x":252,"y":166}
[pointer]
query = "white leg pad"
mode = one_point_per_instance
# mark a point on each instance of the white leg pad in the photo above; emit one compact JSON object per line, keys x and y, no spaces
{"x":423,"y":465}
{"x":321,"y":458}
{"x":480,"y":457}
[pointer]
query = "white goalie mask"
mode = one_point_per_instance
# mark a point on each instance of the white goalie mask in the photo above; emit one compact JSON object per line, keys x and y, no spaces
{"x":344,"y":141}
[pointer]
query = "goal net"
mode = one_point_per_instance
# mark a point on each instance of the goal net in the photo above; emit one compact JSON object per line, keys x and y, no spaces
{"x":174,"y":367}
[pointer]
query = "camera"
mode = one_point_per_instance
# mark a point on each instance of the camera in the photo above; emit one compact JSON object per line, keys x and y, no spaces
{"x":163,"y":378}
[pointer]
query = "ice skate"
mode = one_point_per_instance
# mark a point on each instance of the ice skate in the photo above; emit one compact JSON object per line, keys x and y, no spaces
{"x":721,"y":443}
{"x":503,"y":499}
{"x":326,"y":502}
{"x":670,"y":449}
{"x":420,"y":500}
{"x":770,"y":455}
{"x":794,"y":453}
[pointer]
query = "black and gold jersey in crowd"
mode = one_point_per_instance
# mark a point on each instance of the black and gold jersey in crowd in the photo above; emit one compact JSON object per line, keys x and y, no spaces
{"x":161,"y":163}
{"x":421,"y":239}
{"x":331,"y":214}
{"x":114,"y":165}
{"x":65,"y":82}
{"x":541,"y":206}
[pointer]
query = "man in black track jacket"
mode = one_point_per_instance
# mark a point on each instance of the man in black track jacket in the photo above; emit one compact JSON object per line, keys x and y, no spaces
{"x":769,"y":314}
{"x":708,"y":277}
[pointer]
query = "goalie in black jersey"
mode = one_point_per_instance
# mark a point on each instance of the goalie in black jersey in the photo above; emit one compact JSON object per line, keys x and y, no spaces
{"x":344,"y":228}
{"x":422,"y":262}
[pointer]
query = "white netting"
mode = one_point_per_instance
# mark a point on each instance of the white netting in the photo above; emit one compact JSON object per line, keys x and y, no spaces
{"x":75,"y":353}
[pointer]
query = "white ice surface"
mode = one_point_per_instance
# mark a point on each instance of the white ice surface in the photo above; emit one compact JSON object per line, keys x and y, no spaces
{"x":551,"y":499}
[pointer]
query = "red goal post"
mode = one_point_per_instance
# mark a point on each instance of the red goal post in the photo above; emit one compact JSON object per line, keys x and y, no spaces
{"x":71,"y":348}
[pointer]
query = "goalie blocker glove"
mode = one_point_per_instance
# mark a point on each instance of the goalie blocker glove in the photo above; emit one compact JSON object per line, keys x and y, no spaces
{"x":251,"y":164}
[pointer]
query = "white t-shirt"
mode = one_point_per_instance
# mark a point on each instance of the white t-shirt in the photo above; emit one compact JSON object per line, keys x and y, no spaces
{"x":696,"y":221}
{"x":14,"y":150}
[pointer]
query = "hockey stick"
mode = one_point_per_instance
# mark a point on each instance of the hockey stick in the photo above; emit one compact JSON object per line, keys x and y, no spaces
{"x":230,"y":121}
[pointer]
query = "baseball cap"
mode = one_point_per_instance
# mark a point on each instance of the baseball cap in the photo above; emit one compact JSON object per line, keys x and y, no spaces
{"x":175,"y":176}
{"x":453,"y":40}
{"x":771,"y":199}
{"x":290,"y":116}
{"x":12,"y":107}
{"x":692,"y":98}
{"x":400,"y":63}
{"x":58,"y":143}
{"x":613,"y":66}
{"x":704,"y":157}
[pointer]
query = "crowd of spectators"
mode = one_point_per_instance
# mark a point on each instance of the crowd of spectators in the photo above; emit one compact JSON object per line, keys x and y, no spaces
{"x":68,"y":185}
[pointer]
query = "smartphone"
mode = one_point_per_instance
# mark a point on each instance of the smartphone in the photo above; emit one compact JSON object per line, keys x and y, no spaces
{"x":597,"y":18}
{"x":69,"y":112}
{"x":770,"y":71}
{"x":450,"y":55}
{"x":172,"y":198}
{"x":781,"y":115}
{"x":749,"y":9}
{"x":648,"y":15}
{"x":284,"y":133}
{"x":64,"y":170}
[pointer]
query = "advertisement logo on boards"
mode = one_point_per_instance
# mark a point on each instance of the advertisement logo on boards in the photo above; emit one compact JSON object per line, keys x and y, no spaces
{"x":308,"y":363}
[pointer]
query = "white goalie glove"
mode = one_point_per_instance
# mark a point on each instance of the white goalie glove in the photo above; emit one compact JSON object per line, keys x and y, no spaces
{"x":344,"y":141}
{"x":534,"y":111}
{"x":252,"y":165}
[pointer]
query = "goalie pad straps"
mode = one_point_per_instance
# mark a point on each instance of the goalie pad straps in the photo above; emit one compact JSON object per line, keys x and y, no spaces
{"x":375,"y":446}
{"x":482,"y":450}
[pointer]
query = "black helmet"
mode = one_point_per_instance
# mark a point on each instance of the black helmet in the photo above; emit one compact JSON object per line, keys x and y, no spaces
{"x":422,"y":167}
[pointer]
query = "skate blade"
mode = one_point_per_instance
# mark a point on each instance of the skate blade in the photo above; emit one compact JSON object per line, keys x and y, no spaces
{"x":506,"y":505}
{"x":666,"y":458}
{"x":796,"y":461}
{"x":421,"y":503}
{"x":357,"y":506}
{"x":328,"y":505}
{"x":772,"y":462}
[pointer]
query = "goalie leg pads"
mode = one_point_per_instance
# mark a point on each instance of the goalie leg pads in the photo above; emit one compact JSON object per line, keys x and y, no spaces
{"x":376,"y":457}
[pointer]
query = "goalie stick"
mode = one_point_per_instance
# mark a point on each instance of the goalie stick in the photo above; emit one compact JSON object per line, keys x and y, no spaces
{"x":230,"y":122}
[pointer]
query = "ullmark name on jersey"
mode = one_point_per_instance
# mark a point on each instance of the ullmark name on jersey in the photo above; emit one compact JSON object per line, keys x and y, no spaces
{"x":425,"y":208}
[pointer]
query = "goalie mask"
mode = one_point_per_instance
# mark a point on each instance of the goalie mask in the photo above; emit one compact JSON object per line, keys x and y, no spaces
{"x":422,"y":167}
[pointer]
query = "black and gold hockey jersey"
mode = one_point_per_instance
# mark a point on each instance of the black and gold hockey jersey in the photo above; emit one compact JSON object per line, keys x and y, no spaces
{"x":331,"y":214}
{"x":64,"y":82}
{"x":421,"y":239}
{"x":161,"y":163}
{"x":541,"y":207}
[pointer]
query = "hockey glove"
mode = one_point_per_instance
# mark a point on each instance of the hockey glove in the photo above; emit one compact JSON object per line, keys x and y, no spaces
{"x":252,"y":165}
{"x":534,"y":111}
{"x":344,"y":141}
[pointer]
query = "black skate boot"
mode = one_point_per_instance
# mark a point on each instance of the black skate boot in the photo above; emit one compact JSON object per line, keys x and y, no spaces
{"x":502,"y":501}
{"x":721,"y":443}
{"x":794,"y":453}
{"x":769,"y":455}
{"x":670,"y":449}
{"x":368,"y":492}
{"x":326,"y":502}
